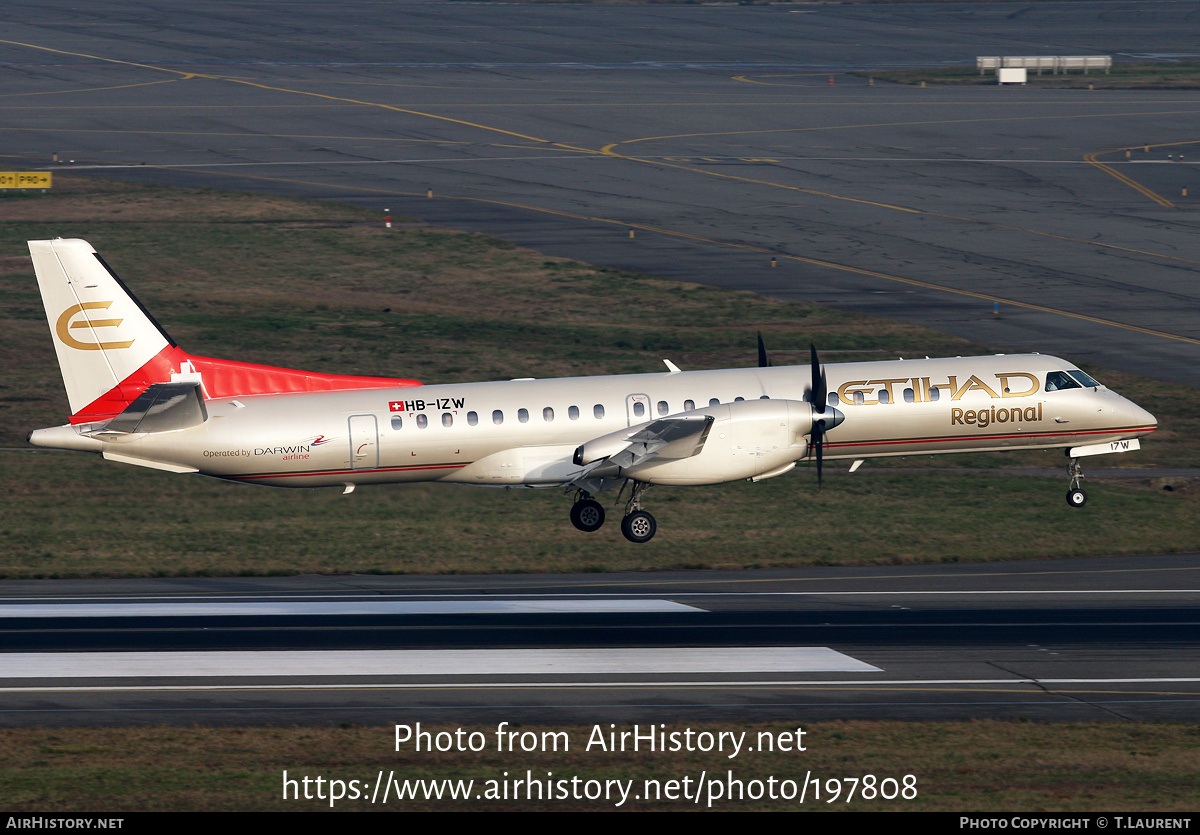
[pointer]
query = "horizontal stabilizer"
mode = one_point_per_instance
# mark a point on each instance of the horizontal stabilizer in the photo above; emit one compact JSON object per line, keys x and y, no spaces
{"x":162,"y":407}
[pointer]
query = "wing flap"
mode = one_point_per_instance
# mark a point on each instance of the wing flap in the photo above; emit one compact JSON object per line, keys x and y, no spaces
{"x":669,"y":438}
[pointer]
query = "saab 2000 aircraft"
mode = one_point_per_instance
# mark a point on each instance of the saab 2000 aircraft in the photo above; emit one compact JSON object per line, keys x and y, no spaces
{"x":138,"y":398}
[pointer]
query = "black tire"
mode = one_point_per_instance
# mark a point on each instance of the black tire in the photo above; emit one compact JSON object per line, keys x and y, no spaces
{"x":1076,"y":498}
{"x":587,"y":515}
{"x":639,"y":526}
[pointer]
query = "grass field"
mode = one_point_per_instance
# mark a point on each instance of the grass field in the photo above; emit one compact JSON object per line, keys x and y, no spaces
{"x":325,"y":287}
{"x":194,"y":526}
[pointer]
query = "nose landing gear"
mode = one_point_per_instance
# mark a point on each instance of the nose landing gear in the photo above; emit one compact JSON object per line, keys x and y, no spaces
{"x":1075,"y":495}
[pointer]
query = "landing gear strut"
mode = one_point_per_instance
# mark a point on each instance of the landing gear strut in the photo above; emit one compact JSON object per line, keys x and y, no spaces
{"x":638,"y":525}
{"x":587,"y":514}
{"x":1075,"y":495}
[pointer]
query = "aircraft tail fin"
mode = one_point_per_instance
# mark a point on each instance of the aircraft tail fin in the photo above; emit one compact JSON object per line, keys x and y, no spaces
{"x":111,"y":350}
{"x":102,"y":335}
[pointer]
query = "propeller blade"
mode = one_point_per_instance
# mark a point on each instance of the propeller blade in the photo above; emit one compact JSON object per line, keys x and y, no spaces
{"x":819,"y":392}
{"x":763,"y":362}
{"x":828,"y":417}
{"x":818,"y":433}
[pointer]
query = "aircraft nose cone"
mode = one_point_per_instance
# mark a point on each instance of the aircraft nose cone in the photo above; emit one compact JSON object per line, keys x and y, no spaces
{"x":1137,"y":416}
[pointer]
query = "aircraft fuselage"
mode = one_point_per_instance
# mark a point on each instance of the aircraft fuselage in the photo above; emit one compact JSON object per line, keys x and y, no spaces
{"x":524,"y":432}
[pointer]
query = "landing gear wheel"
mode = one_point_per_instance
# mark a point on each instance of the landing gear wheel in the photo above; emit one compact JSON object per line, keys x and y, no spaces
{"x":587,"y":515}
{"x":639,"y":526}
{"x":1075,"y":495}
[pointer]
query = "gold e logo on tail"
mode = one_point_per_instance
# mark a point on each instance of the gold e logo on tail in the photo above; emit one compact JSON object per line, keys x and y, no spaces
{"x":64,"y":325}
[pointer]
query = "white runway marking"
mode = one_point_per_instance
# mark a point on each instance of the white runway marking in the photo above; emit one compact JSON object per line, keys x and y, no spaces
{"x":473,"y":662}
{"x":357,"y":607}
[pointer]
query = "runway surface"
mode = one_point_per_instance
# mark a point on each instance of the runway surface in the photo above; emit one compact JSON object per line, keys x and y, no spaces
{"x":711,"y":132}
{"x":1110,"y":638}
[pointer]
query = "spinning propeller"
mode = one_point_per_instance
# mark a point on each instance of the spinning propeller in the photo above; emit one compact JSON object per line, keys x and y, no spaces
{"x":825,"y":417}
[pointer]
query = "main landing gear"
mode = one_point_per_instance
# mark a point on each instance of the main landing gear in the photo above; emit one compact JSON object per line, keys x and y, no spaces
{"x":637,"y":525}
{"x":1075,"y":495}
{"x":587,"y":514}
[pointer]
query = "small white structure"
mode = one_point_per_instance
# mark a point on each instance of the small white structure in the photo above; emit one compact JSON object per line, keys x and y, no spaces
{"x":1011,"y":75}
{"x":1054,"y":63}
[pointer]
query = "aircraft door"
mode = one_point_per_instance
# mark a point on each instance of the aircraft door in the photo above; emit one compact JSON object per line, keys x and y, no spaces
{"x":364,"y":442}
{"x":637,"y":408}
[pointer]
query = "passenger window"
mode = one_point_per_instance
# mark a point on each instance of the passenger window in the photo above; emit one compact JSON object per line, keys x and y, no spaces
{"x":397,"y":422}
{"x":422,"y":421}
{"x":523,"y":415}
{"x":764,"y":397}
{"x":447,"y":419}
{"x":859,"y":398}
{"x":714,"y":402}
{"x":832,"y":399}
{"x":935,"y":393}
{"x":573,"y":413}
{"x":598,"y":411}
{"x":884,"y":397}
{"x":1059,"y":380}
{"x":738,"y":399}
{"x":639,"y":408}
{"x":662,"y":407}
{"x":472,"y":418}
{"x":909,"y":397}
{"x":547,"y":414}
{"x":688,"y":405}
{"x":497,"y":417}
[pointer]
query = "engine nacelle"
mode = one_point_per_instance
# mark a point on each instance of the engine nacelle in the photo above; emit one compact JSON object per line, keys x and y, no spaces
{"x":747,"y":439}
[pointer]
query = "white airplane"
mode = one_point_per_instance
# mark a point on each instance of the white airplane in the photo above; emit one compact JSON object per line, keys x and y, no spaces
{"x":138,"y":398}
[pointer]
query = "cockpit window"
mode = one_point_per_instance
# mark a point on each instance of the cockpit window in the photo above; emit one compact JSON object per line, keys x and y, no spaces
{"x":1083,"y":379}
{"x":1059,"y":380}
